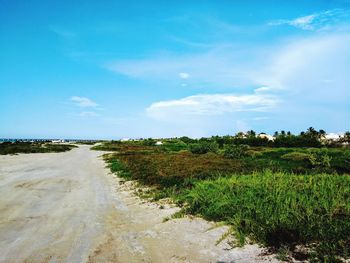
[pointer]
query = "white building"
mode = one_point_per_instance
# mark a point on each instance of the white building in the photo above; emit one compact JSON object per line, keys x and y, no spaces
{"x":267,"y":136}
{"x":332,"y":137}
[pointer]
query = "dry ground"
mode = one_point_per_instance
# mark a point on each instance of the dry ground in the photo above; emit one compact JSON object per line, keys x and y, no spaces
{"x":66,"y":207}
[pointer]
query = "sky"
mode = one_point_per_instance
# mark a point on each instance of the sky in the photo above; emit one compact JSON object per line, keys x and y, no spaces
{"x":112,"y":69}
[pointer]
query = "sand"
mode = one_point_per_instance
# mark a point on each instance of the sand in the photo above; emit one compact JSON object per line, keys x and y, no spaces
{"x":67,"y":207}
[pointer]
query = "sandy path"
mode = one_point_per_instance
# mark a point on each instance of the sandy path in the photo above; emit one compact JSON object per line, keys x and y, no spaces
{"x":65,"y":207}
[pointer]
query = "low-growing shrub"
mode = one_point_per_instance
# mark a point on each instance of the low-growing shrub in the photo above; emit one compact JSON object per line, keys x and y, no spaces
{"x":347,"y":158}
{"x":254,"y":153}
{"x":33,"y":147}
{"x":320,"y":158}
{"x":169,"y":169}
{"x":236,"y":151}
{"x":296,"y":156}
{"x":175,"y":146}
{"x":204,"y":147}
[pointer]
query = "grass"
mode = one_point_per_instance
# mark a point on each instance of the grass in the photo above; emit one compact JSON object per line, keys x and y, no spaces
{"x":279,"y":209}
{"x":32,"y":147}
{"x":279,"y":197}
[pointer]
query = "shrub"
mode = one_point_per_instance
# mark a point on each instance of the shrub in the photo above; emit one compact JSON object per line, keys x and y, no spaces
{"x":169,"y":169}
{"x":174,"y":146}
{"x":204,"y":147}
{"x":320,"y":158}
{"x":149,"y":142}
{"x":296,"y":156}
{"x":236,"y":151}
{"x":254,"y":153}
{"x":33,"y":147}
{"x":347,"y":158}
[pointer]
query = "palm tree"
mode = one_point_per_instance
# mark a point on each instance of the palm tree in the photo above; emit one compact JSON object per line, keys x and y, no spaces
{"x":321,"y":134}
{"x":251,"y":133}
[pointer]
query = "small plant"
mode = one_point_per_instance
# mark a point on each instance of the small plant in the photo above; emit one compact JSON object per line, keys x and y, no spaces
{"x":236,"y":151}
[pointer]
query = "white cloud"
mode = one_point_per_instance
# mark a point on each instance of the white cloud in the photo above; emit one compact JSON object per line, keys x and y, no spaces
{"x":263,"y":89}
{"x":310,"y":74}
{"x":314,"y":21}
{"x":301,"y":66}
{"x":184,"y":75}
{"x":83,"y":102}
{"x":211,"y":104}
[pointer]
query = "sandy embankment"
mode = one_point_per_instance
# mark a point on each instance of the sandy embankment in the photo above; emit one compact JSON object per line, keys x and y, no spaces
{"x":66,"y":207}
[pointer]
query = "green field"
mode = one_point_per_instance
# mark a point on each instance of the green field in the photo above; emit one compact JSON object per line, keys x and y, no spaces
{"x":278,"y":197}
{"x":32,"y":147}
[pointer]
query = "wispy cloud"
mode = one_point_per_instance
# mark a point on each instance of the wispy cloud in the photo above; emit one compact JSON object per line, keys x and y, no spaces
{"x":184,"y":75}
{"x":221,"y":67}
{"x":88,"y":114}
{"x":83,"y":102}
{"x":313,"y":21}
{"x":211,"y":104}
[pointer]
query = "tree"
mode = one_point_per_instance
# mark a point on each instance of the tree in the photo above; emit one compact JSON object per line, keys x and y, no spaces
{"x":346,"y":137}
{"x":251,"y":133}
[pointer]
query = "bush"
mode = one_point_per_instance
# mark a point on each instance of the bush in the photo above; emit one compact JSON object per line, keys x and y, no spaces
{"x":254,"y":153}
{"x":169,"y":169}
{"x":296,"y":156}
{"x":320,"y":158}
{"x":33,"y":147}
{"x":236,"y":151}
{"x":347,"y":158}
{"x":204,"y":147}
{"x":149,"y":142}
{"x":174,"y":146}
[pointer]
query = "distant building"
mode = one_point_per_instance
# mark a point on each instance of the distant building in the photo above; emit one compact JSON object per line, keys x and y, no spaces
{"x":125,"y":139}
{"x":159,"y":143}
{"x":332,"y":137}
{"x":267,"y":136}
{"x":58,"y":141}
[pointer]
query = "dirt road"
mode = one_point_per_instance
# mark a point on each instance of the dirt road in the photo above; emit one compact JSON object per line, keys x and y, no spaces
{"x":66,"y":207}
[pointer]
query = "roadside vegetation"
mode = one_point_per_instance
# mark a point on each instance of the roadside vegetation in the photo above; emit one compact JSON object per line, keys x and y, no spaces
{"x":294,"y":200}
{"x":33,"y":147}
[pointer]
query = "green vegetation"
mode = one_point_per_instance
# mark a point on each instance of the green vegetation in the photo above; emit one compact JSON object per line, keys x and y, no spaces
{"x":279,"y":209}
{"x":33,"y":147}
{"x":280,"y":197}
{"x":204,"y":147}
{"x":236,"y":151}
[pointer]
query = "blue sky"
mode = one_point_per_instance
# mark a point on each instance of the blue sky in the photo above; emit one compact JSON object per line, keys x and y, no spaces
{"x":112,"y":69}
